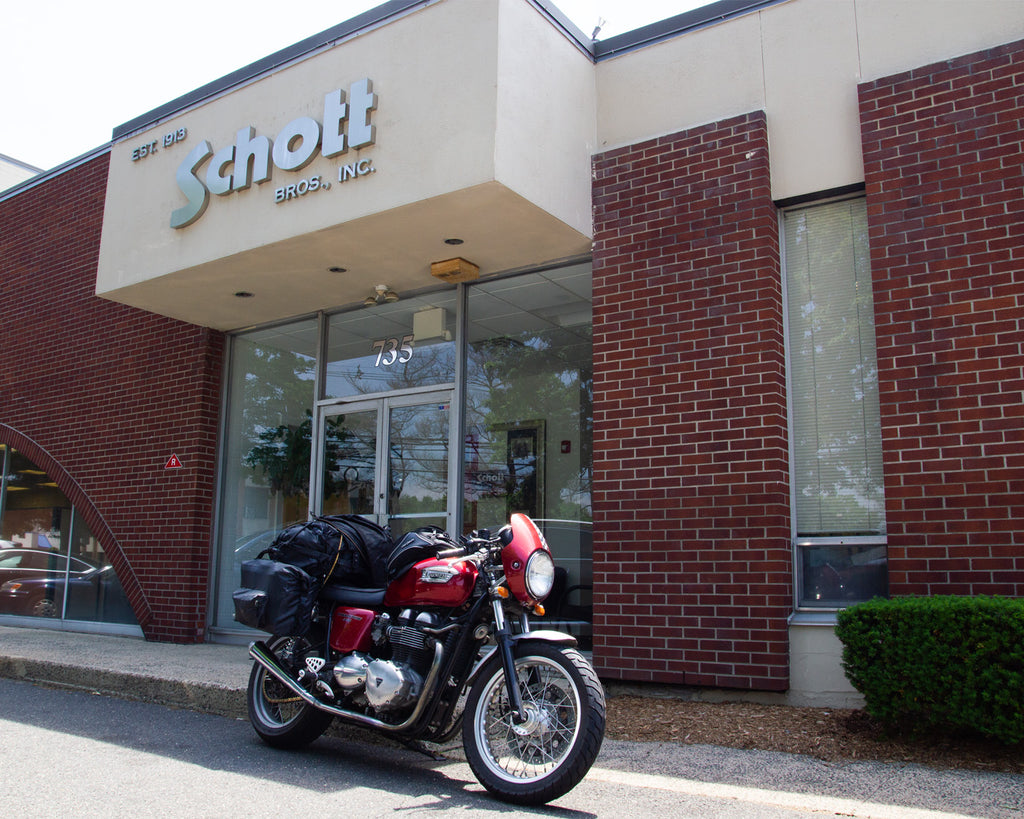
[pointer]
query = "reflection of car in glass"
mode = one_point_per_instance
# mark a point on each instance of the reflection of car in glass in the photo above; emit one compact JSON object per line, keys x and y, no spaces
{"x":92,"y":594}
{"x":19,"y":562}
{"x":248,"y":547}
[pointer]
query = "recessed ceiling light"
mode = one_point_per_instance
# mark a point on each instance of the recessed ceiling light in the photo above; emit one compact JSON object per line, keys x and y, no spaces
{"x":244,"y":294}
{"x":453,"y":241}
{"x":337,"y":269}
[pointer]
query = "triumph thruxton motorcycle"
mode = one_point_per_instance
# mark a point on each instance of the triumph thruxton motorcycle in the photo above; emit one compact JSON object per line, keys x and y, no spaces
{"x":446,"y":644}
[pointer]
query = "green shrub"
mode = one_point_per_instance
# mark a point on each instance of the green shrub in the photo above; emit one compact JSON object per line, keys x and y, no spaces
{"x":948,"y":663}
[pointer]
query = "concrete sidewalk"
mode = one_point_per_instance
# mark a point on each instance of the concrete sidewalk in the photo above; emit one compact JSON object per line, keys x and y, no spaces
{"x":212,"y":678}
{"x":205,"y":677}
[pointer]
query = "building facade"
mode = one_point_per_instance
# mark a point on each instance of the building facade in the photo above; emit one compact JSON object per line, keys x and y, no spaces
{"x":731,"y":303}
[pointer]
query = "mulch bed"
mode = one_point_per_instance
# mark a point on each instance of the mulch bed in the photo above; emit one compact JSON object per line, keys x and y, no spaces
{"x":833,"y":734}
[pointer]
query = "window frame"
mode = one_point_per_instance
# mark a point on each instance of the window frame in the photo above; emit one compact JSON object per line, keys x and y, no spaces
{"x":800,"y":542}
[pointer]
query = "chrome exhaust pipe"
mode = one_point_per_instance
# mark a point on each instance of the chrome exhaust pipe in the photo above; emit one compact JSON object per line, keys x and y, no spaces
{"x":268,"y":660}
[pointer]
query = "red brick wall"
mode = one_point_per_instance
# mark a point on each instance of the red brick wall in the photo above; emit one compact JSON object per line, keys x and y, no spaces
{"x":944,"y":166}
{"x":100,"y":395}
{"x":692,"y":558}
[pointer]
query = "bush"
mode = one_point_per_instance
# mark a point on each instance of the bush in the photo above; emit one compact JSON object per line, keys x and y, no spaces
{"x":948,"y":663}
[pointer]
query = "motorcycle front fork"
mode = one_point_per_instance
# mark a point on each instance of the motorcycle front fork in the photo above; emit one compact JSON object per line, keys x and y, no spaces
{"x":503,"y":636}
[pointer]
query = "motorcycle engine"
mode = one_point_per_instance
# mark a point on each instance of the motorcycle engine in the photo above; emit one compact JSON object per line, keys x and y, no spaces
{"x":391,"y":685}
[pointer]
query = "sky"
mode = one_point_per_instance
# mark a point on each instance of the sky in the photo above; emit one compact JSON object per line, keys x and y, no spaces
{"x":70,"y":72}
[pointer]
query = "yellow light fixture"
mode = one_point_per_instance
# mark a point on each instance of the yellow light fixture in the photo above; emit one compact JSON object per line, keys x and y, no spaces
{"x":455,"y":270}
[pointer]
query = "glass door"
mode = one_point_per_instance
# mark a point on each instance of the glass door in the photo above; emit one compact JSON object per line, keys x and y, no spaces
{"x":349,"y":468}
{"x":417,"y":462}
{"x":386,"y":459}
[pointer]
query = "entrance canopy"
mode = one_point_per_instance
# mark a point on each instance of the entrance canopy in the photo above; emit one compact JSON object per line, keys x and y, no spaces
{"x":467,"y":120}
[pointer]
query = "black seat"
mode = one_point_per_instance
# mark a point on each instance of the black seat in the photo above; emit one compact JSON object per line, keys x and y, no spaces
{"x":352,"y":596}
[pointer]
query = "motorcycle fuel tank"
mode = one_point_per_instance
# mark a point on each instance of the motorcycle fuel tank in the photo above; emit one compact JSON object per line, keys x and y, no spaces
{"x":433,"y":582}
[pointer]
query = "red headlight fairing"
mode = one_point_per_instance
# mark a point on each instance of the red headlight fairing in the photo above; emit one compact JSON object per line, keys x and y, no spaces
{"x":527,"y":578}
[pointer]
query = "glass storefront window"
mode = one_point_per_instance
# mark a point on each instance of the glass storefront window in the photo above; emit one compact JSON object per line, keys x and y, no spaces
{"x":384,"y":422}
{"x":50,"y":563}
{"x":390,"y":347}
{"x":529,"y":420}
{"x":268,"y":439}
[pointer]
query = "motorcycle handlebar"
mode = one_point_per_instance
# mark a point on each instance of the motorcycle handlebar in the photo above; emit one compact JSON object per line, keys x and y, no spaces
{"x":478,"y":540}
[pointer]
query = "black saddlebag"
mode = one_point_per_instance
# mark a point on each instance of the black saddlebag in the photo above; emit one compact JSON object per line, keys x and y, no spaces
{"x":275,"y":597}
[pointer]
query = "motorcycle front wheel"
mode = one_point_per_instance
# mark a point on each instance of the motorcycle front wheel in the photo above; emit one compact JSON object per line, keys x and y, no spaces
{"x":543,"y":758}
{"x":280,"y":718}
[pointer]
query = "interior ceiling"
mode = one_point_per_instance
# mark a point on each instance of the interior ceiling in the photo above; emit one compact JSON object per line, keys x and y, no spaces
{"x":539,"y":301}
{"x":499,"y":230}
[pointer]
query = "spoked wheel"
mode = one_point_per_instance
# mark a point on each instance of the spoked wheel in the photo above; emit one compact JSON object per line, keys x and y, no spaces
{"x":546,"y":756}
{"x":279,"y":717}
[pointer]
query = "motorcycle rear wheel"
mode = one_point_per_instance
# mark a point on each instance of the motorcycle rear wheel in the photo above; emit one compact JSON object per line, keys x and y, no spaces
{"x":280,"y":718}
{"x":548,"y":755}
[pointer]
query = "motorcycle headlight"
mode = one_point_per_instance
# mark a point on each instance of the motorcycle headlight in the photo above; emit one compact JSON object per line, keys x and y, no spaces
{"x":540,"y":574}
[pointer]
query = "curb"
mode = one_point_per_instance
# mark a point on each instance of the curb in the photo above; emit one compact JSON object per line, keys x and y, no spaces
{"x":204,"y":697}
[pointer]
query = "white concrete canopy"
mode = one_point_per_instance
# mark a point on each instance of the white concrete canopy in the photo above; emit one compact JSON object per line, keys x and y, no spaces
{"x":483,"y":130}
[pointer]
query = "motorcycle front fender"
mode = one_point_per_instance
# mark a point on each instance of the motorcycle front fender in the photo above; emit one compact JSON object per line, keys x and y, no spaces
{"x":542,"y":636}
{"x":521,"y":642}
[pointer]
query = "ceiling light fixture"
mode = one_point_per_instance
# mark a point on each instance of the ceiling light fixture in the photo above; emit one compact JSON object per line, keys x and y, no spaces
{"x":455,"y":270}
{"x":382,"y":293}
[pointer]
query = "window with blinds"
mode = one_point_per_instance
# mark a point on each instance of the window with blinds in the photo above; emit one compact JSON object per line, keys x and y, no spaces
{"x":839,"y":505}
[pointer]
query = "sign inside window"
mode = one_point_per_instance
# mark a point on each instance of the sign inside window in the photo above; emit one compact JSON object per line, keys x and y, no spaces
{"x":393,"y":351}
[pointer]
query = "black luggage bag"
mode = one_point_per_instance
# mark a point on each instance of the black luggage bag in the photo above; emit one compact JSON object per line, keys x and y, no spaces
{"x":275,"y":597}
{"x":278,"y":593}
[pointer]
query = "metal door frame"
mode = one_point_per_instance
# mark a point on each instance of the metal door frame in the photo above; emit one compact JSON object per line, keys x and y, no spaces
{"x":382,"y":403}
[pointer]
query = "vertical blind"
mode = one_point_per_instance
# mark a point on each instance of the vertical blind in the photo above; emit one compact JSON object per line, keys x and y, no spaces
{"x":837,"y":467}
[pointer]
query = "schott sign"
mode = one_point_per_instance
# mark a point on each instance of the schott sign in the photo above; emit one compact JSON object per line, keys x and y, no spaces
{"x":235,"y":167}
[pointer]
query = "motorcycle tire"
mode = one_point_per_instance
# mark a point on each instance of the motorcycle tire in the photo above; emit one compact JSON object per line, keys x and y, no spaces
{"x":281,"y":719}
{"x":548,"y":755}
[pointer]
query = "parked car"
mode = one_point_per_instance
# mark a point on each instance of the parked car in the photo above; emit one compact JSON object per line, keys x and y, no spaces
{"x":248,"y":547}
{"x":21,"y":562}
{"x":92,"y":594}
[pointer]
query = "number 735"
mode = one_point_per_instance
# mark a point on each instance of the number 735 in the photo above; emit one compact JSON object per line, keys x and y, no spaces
{"x":392,"y":351}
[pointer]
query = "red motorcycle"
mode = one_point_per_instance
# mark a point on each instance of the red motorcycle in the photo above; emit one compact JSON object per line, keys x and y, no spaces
{"x":445,"y":644}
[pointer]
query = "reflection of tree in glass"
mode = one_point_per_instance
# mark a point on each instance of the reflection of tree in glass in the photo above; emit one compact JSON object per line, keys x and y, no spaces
{"x":277,"y":392}
{"x":430,"y":364}
{"x":278,"y":385}
{"x":834,"y":372}
{"x":418,"y":462}
{"x":282,"y":454}
{"x":543,"y":374}
{"x":350,"y":465}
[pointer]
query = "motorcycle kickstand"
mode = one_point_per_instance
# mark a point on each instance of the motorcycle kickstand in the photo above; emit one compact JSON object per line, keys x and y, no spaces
{"x":420,"y":747}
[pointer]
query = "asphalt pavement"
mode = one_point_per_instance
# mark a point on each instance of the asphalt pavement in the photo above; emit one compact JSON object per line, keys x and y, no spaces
{"x":211,"y":678}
